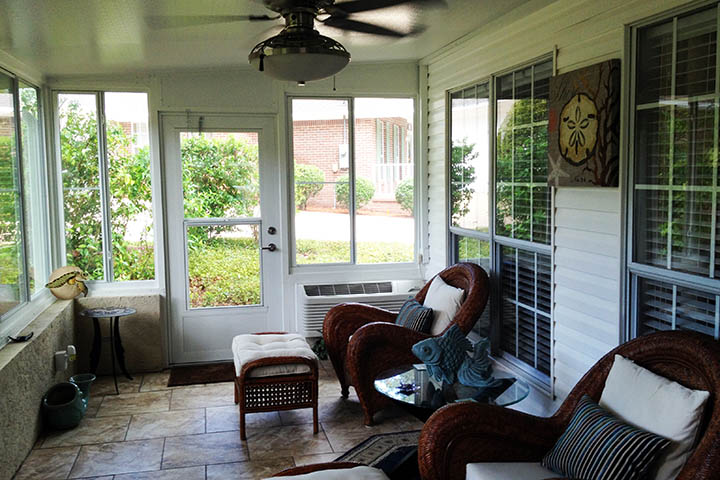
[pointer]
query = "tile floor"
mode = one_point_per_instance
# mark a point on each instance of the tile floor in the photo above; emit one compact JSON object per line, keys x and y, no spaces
{"x":151,"y":431}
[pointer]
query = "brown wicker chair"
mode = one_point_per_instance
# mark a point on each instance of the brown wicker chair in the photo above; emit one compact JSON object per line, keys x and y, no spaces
{"x":378,"y":344}
{"x":466,"y":433}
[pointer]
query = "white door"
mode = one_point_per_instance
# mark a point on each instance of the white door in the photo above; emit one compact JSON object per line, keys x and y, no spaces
{"x":221,"y":176}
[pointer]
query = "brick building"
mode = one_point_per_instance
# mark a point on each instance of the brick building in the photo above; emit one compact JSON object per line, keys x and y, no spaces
{"x":383,"y":155}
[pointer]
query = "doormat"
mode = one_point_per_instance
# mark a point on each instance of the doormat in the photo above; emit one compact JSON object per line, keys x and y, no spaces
{"x":393,"y":453}
{"x":207,"y":373}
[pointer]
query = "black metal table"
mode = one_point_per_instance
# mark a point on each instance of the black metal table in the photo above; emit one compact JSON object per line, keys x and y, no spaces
{"x":116,"y":349}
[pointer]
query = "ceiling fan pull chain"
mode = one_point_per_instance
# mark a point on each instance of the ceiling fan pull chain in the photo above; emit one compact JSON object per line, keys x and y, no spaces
{"x":334,"y":89}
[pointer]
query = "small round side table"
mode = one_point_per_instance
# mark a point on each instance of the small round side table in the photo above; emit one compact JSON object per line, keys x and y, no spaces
{"x":116,"y":349}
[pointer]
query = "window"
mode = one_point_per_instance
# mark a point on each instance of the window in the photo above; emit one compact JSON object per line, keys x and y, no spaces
{"x":107,"y":196}
{"x":674,"y":262}
{"x":353,"y":183}
{"x":24,"y":260}
{"x":512,"y":239}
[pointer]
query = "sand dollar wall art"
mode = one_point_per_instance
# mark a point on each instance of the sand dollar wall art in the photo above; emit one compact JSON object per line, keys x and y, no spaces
{"x":584,"y":127}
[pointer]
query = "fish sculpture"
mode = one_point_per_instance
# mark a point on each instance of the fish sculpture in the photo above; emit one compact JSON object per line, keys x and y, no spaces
{"x":443,"y":355}
{"x":67,"y":282}
{"x":476,"y":370}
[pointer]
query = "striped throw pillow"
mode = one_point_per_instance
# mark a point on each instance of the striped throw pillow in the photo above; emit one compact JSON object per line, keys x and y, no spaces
{"x":414,"y":316}
{"x":598,"y":446}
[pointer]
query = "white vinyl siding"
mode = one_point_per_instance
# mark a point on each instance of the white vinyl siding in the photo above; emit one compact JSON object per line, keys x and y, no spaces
{"x":586,"y":243}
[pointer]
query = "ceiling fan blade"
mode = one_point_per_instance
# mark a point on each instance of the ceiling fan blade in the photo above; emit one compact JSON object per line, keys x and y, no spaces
{"x":180,"y":21}
{"x":357,"y":6}
{"x":356,"y":26}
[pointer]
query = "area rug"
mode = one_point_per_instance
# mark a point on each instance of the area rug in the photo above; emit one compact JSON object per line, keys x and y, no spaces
{"x":393,"y":453}
{"x":207,"y":373}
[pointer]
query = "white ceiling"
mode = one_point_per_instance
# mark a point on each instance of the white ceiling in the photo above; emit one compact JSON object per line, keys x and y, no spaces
{"x":61,"y":37}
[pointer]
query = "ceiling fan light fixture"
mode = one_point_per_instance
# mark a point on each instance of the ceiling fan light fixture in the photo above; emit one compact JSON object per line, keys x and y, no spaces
{"x":299,"y":56}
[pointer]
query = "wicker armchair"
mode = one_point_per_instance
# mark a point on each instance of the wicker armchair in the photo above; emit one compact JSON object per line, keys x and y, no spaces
{"x":378,"y":344}
{"x":466,"y":433}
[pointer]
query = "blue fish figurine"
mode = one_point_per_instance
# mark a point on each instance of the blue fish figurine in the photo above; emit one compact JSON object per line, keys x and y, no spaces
{"x":476,"y":371}
{"x":443,"y":355}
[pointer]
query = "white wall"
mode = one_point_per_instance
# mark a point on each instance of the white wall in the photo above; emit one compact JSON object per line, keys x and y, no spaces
{"x":587,"y":246}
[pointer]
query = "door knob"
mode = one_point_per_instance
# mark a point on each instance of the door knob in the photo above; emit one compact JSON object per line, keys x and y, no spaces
{"x":271,"y":246}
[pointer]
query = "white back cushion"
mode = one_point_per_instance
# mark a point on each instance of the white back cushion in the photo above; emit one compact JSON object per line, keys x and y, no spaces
{"x":445,"y":301}
{"x":658,"y":405}
{"x":507,"y":471}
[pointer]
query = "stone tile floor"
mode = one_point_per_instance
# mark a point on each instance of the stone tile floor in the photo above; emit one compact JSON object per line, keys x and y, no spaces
{"x":151,"y":431}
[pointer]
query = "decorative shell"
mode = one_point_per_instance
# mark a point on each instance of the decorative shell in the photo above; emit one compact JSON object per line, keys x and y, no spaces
{"x":67,"y":282}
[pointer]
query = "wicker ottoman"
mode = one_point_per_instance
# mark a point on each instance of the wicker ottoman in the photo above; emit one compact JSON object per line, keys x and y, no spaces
{"x":275,"y":371}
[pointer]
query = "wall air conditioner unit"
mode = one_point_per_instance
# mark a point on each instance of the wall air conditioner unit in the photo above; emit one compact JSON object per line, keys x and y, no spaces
{"x":314,"y":301}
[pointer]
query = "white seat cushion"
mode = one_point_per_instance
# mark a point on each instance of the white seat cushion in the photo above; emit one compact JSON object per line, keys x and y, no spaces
{"x":247,"y":348}
{"x":356,"y":473}
{"x":508,"y":471}
{"x":658,"y":405}
{"x":445,"y":301}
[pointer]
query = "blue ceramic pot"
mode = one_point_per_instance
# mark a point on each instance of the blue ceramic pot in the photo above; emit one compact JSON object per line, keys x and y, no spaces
{"x":63,"y":406}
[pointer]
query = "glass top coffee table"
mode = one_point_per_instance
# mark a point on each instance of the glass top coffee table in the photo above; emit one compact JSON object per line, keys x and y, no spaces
{"x":412,"y":386}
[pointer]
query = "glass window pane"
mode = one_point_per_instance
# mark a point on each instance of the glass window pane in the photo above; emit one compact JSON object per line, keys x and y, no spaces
{"x":12,"y":277}
{"x":651,"y":227}
{"x":652,"y":146}
{"x":469,"y":159}
{"x":696,"y":45}
{"x":475,"y":250}
{"x":691,"y":229}
{"x":234,"y":251}
{"x":654,"y":70}
{"x":384,"y":191}
{"x":220,"y":174}
{"x":321,"y":179}
{"x":128,"y":155}
{"x":34,"y":193}
{"x":694,"y":139}
{"x":81,"y":182}
{"x":522,"y":199}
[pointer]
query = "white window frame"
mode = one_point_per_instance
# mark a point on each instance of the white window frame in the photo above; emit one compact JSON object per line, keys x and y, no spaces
{"x":496,"y":241}
{"x":17,"y":318}
{"x":108,"y":284}
{"x":406,"y":267}
{"x":637,"y":271}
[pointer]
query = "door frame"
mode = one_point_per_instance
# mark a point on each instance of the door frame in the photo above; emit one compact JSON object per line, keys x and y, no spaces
{"x":271,"y":263}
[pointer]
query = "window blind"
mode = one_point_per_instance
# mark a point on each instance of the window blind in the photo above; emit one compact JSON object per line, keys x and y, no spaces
{"x":675,"y":188}
{"x":526,"y":294}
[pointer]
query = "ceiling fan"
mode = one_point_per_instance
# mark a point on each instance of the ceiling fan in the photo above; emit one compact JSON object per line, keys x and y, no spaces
{"x":299,"y":52}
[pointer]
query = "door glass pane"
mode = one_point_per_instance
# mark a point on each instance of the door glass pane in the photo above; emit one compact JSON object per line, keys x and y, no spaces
{"x":34,"y":195}
{"x":469,"y":159}
{"x":81,"y":182}
{"x":221,"y":174}
{"x":223,"y":265}
{"x":11,"y":256}
{"x":384,"y":180}
{"x":321,"y":159}
{"x":128,"y":154}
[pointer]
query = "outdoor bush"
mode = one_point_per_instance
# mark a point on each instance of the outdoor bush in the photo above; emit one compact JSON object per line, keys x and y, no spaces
{"x":404,"y":194}
{"x":462,"y":177}
{"x":364,"y":191}
{"x":309,"y":180}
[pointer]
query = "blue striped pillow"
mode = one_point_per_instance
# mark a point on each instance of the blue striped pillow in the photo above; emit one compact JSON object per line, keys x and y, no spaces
{"x":415,"y":316}
{"x":598,"y":446}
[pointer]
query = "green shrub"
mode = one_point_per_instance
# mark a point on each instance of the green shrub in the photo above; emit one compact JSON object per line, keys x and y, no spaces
{"x":404,"y":194}
{"x":309,"y":180}
{"x":364,"y":191}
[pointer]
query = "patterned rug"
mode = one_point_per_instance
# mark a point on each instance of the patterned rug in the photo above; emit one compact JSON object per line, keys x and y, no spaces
{"x":393,"y":453}
{"x":208,"y":373}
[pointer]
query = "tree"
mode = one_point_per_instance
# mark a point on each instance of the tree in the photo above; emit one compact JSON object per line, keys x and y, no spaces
{"x":404,"y":194}
{"x":364,"y":191}
{"x":462,"y":177}
{"x":309,"y":180}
